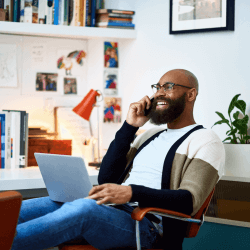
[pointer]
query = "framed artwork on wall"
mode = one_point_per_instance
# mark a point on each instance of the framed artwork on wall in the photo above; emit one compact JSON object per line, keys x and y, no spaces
{"x":188,"y":16}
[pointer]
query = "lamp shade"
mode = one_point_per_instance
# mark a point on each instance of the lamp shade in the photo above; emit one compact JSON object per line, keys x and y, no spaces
{"x":84,"y":108}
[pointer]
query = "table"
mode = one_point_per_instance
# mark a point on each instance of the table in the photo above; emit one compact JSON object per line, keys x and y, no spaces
{"x":29,"y":182}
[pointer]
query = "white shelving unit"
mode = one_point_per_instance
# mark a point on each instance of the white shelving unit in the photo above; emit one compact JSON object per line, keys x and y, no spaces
{"x":61,"y":31}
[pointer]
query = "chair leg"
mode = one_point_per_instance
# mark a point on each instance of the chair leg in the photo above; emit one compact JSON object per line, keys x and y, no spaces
{"x":137,"y":229}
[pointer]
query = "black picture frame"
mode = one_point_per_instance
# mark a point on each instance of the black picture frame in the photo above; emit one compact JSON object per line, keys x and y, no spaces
{"x":178,"y":27}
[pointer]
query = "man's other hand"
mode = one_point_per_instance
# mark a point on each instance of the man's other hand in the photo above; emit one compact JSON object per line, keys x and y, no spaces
{"x":110,"y":193}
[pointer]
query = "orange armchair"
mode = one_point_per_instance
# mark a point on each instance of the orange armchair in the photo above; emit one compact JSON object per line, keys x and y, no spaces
{"x":138,"y":214}
{"x":10,"y":204}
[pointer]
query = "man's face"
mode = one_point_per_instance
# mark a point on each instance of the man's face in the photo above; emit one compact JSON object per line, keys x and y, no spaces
{"x":163,"y":115}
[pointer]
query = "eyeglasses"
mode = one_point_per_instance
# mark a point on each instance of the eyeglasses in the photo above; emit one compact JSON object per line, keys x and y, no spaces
{"x":168,"y":86}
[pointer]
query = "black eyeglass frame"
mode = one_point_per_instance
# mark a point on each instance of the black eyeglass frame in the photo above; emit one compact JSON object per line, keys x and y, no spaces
{"x":171,"y":83}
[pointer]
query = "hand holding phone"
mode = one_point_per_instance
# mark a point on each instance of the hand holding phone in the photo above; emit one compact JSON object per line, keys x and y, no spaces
{"x":146,"y":111}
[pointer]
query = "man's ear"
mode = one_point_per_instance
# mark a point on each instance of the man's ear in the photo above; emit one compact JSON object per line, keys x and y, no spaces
{"x":192,"y":93}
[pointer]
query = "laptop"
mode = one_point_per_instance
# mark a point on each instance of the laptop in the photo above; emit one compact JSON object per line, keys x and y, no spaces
{"x":66,"y":177}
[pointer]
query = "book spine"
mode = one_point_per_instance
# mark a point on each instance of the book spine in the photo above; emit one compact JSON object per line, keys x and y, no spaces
{"x":17,"y":139}
{"x":49,"y":12}
{"x":35,"y":5}
{"x":116,"y":24}
{"x":93,"y":15}
{"x":26,"y":138}
{"x":28,"y":11}
{"x":122,"y":20}
{"x":56,"y":12}
{"x":66,"y":12}
{"x":0,"y":143}
{"x":22,"y":140}
{"x":1,"y":4}
{"x":22,"y":11}
{"x":77,"y":13}
{"x":42,"y":11}
{"x":16,"y":11}
{"x":86,"y":12}
{"x":12,"y":135}
{"x":119,"y":15}
{"x":2,"y":140}
{"x":7,"y":140}
{"x":61,"y":12}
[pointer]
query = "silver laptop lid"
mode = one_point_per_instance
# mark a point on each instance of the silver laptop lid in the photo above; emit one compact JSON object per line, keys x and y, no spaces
{"x":66,"y":177}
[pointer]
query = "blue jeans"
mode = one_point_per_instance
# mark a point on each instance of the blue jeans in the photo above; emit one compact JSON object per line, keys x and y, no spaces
{"x":44,"y":223}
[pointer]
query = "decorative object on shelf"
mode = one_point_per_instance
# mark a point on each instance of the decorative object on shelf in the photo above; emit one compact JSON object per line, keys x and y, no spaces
{"x":237,"y":156}
{"x":200,"y":16}
{"x":84,"y":109}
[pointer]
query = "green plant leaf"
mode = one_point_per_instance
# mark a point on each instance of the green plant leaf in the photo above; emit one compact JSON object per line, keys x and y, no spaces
{"x":222,"y":121}
{"x":244,"y":120}
{"x":233,"y":131}
{"x":232,"y":104}
{"x":236,"y":115}
{"x":246,"y":137}
{"x":241,"y":105}
{"x":241,"y":126}
{"x":220,"y":115}
{"x":227,"y":139}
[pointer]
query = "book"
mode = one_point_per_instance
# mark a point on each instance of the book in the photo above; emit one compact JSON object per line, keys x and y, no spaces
{"x":107,"y":18}
{"x":42,"y":11}
{"x":2,"y":15}
{"x":1,"y":4}
{"x":66,"y":12}
{"x":117,"y":24}
{"x":49,"y":12}
{"x":7,"y":140}
{"x":26,"y":139}
{"x":56,"y":12}
{"x":8,"y":6}
{"x":27,"y":11}
{"x":15,"y":139}
{"x":93,"y":13}
{"x":2,"y":115}
{"x":23,"y":129}
{"x":116,"y":27}
{"x":82,"y":12}
{"x":22,"y":10}
{"x":129,"y":12}
{"x":61,"y":12}
{"x":16,"y":10}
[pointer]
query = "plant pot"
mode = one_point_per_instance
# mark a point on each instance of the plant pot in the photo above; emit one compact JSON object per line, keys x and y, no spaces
{"x":237,"y":160}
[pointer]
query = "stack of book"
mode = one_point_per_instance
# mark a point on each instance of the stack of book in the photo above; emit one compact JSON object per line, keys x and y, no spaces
{"x":14,"y":139}
{"x":56,"y":12}
{"x":108,"y":18}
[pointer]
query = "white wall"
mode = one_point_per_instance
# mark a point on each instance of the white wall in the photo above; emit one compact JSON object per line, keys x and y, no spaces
{"x":218,"y":59}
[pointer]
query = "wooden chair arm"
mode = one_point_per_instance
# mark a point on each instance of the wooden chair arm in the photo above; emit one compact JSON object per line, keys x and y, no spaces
{"x":139,"y":213}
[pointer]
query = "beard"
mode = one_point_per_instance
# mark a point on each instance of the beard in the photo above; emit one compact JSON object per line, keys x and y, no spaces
{"x":171,"y":113}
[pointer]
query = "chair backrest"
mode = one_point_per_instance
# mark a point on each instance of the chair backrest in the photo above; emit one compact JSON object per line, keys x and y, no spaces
{"x":10,"y":204}
{"x":193,"y":228}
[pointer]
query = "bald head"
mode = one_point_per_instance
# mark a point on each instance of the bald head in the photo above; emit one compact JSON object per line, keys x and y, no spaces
{"x":192,"y":79}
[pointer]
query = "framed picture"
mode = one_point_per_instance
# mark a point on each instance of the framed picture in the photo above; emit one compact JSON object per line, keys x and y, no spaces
{"x":188,"y":16}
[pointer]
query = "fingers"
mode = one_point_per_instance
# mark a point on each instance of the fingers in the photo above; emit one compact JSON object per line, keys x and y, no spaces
{"x":96,"y":189}
{"x":140,"y":106}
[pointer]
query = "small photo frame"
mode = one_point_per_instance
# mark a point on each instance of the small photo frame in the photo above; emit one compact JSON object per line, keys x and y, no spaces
{"x":188,"y":16}
{"x":46,"y":81}
{"x":110,"y":81}
{"x":69,"y":86}
{"x":112,"y":110}
{"x":110,"y":55}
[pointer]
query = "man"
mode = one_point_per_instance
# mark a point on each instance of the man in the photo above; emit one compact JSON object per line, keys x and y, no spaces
{"x":174,"y":168}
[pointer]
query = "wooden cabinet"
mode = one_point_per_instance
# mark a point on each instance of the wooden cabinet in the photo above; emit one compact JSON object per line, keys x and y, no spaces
{"x":63,"y":147}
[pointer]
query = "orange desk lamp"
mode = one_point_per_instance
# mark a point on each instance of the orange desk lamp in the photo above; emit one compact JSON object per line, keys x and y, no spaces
{"x":84,"y":109}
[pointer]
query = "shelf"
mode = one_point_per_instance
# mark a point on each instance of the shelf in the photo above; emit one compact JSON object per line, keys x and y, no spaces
{"x":62,"y":31}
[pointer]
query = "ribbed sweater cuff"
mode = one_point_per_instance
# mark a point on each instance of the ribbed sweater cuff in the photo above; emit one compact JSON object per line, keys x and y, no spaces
{"x":128,"y":129}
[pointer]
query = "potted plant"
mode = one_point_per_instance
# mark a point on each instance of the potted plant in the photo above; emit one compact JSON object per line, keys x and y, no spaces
{"x":237,"y":151}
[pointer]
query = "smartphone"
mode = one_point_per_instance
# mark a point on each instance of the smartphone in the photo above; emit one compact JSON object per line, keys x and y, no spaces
{"x":146,"y":111}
